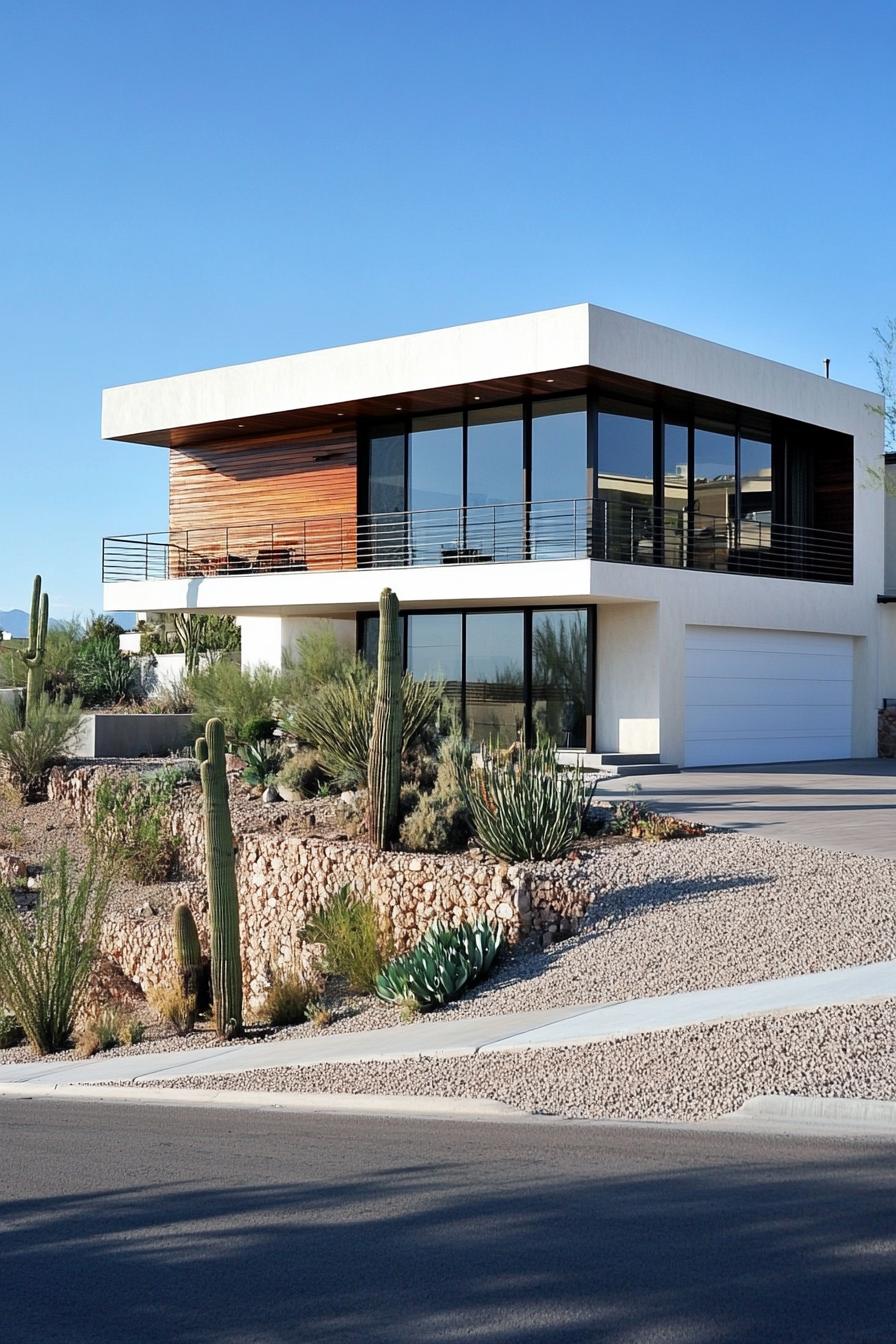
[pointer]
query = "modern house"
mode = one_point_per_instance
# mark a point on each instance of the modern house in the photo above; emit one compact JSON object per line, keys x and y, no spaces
{"x":638,"y":541}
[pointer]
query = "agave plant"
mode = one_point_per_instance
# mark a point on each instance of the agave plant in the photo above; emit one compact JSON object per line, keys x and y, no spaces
{"x":446,"y":962}
{"x":522,"y":806}
{"x":263,"y":761}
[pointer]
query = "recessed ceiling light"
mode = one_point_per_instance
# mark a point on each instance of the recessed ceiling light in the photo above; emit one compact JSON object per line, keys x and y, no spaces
{"x":241,"y":426}
{"x":549,"y":380}
{"x":340,"y":412}
{"x":398,"y":408}
{"x":475,"y":398}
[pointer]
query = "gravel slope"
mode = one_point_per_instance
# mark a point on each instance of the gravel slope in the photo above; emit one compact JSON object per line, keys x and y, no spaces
{"x":691,"y":1073}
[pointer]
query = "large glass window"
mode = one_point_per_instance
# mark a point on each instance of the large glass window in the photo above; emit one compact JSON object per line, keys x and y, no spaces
{"x":714,"y":493}
{"x":434,"y":649}
{"x":435,"y":487}
{"x":559,"y":477}
{"x":560,"y":675}
{"x":480,"y":656}
{"x":624,"y":526}
{"x":495,"y":483}
{"x":386,"y":538}
{"x":495,"y":691}
{"x":755,"y":478}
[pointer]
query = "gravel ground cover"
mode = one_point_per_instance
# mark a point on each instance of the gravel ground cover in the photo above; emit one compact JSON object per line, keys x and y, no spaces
{"x":690,"y":1073}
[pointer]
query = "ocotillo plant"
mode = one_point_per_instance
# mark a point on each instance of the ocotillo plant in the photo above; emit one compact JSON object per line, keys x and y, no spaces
{"x":33,"y":653}
{"x":220,"y":861}
{"x":384,"y":762}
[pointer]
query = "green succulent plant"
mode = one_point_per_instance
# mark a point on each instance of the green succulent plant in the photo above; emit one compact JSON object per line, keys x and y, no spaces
{"x":443,"y":965}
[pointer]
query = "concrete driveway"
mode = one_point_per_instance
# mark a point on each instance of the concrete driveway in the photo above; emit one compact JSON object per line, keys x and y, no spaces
{"x":841,"y":805}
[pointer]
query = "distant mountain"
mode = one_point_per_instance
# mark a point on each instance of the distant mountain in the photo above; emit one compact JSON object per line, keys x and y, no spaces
{"x":16,"y":621}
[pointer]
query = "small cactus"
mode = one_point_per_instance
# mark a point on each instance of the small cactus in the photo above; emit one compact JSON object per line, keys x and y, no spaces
{"x":33,"y":653}
{"x":223,"y":904}
{"x":192,"y":967}
{"x":384,"y":762}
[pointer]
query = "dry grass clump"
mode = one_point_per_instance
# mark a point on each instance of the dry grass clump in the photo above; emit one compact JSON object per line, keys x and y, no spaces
{"x":290,"y":997}
{"x":174,"y":1005}
{"x":110,"y":1028}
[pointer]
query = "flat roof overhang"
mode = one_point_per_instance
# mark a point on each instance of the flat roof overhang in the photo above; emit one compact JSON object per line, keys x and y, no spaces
{"x":561,"y":349}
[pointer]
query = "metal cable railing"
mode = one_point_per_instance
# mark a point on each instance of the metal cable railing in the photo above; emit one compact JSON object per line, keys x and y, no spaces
{"x":617,"y":531}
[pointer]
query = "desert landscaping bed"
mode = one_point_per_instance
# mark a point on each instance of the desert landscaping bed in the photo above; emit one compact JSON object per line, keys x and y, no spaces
{"x":690,"y":1073}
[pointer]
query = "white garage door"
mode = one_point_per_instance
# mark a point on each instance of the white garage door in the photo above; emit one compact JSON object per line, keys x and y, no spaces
{"x":766,"y":695}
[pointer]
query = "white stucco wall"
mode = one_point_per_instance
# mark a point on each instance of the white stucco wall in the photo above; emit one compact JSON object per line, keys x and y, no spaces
{"x":628,"y":678}
{"x":268,"y":640}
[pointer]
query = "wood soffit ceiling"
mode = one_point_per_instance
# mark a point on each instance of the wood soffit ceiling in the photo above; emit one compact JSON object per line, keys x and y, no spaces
{"x":342,"y":414}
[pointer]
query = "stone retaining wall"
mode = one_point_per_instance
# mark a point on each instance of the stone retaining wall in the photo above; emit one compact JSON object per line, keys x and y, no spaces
{"x":283,"y":878}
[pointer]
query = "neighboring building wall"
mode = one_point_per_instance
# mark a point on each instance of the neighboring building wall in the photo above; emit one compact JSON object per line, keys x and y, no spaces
{"x":267,"y":640}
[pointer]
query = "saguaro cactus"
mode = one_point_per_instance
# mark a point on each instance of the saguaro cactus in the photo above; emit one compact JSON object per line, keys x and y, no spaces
{"x":384,"y":763}
{"x":33,"y":654}
{"x":223,"y":906}
{"x":187,"y":952}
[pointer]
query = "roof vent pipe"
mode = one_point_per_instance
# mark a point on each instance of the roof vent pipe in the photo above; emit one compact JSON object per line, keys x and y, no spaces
{"x":827,"y":368}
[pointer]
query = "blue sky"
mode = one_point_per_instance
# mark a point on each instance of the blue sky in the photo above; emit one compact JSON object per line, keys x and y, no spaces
{"x":190,"y":184}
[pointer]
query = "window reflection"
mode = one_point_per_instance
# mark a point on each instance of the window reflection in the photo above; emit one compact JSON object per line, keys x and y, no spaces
{"x":560,"y":675}
{"x":435,"y":487}
{"x":714,"y":494}
{"x":675,"y":492}
{"x":558,"y":518}
{"x":625,"y":481}
{"x":495,"y":483}
{"x":494,"y":677}
{"x":385,"y":497}
{"x":434,"y":646}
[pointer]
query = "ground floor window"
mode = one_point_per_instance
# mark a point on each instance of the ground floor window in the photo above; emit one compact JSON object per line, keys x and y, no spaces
{"x":513,"y":675}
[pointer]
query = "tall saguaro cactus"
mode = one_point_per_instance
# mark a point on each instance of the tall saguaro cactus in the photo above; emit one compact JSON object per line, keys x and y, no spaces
{"x":384,"y":765}
{"x":33,"y":654}
{"x":220,"y":861}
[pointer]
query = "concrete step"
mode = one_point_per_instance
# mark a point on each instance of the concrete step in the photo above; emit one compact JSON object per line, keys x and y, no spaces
{"x":616,"y":763}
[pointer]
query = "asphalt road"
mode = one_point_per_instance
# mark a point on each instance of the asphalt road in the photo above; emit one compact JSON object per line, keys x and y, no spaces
{"x":125,"y":1224}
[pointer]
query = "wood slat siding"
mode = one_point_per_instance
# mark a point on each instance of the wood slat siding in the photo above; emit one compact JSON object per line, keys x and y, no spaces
{"x":280,"y":479}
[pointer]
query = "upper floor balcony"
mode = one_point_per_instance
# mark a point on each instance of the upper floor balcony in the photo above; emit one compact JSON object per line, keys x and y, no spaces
{"x":611,"y":530}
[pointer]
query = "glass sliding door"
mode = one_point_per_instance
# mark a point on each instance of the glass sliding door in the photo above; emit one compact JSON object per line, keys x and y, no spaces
{"x":435,"y":488}
{"x":714,"y":494}
{"x":755,"y":494}
{"x":494,"y":678}
{"x":559,"y":515}
{"x":559,"y":680}
{"x":494,"y":514}
{"x":624,"y":525}
{"x":383,"y":541}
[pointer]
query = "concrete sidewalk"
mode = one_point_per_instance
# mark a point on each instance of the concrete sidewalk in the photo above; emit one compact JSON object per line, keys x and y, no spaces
{"x":575,"y":1025}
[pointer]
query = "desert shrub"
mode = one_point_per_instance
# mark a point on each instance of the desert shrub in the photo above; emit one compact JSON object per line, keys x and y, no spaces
{"x":64,"y":640}
{"x":354,"y":947}
{"x":522,"y":806}
{"x":174,"y":1005}
{"x":175,"y":697}
{"x":338,"y":719}
{"x":10,"y":1031}
{"x":444,"y":964}
{"x":640,"y":823}
{"x":27,"y":751}
{"x":103,"y":674}
{"x":301,"y":775}
{"x":290,"y":996}
{"x":436,"y":825}
{"x":44,"y":964}
{"x":110,"y":1028}
{"x":102,"y":627}
{"x":131,"y":827}
{"x":263,"y":760}
{"x":319,"y":657}
{"x":243,"y":701}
